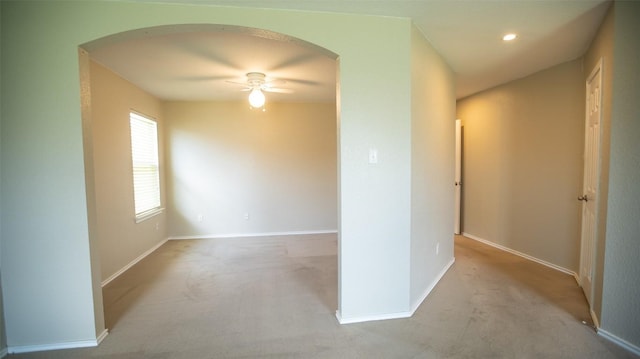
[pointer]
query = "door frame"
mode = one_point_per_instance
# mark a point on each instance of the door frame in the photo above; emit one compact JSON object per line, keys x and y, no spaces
{"x":588,"y":249}
{"x":457,"y":217}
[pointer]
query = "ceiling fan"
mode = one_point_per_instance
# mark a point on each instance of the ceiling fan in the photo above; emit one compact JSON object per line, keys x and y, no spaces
{"x":256,"y":83}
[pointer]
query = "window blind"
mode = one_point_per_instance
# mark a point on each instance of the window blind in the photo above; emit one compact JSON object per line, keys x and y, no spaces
{"x":146,"y":174}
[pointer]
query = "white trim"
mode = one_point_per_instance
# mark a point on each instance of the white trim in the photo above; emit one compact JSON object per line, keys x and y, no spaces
{"x":141,"y":217}
{"x":619,"y":341}
{"x":239,"y":235}
{"x":57,"y":346}
{"x":577,"y":278}
{"x":3,"y":353}
{"x":102,"y":336}
{"x":594,"y":318}
{"x":444,"y":270}
{"x":520,"y":254}
{"x":369,"y":318}
{"x":133,"y":262}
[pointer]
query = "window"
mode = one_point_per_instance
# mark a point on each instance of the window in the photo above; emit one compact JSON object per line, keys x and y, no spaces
{"x":146,"y":171}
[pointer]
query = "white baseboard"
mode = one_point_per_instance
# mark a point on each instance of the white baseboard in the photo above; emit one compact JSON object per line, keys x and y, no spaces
{"x":370,"y":318}
{"x":594,"y":318}
{"x":400,"y":315}
{"x":102,"y":336}
{"x":265,"y":234}
{"x":619,"y":341}
{"x":133,"y":262}
{"x":523,"y":255}
{"x":54,"y":346}
{"x":444,"y":270}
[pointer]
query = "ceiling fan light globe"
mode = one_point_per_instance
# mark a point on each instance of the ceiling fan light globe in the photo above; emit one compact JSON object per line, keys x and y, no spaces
{"x":256,"y":98}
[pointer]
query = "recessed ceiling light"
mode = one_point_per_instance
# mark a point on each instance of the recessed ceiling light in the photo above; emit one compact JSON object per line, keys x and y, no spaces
{"x":509,"y":37}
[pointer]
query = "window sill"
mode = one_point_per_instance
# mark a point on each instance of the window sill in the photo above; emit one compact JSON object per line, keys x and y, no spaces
{"x":148,"y":214}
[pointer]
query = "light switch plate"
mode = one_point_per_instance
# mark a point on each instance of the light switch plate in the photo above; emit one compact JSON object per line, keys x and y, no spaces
{"x":373,"y":155}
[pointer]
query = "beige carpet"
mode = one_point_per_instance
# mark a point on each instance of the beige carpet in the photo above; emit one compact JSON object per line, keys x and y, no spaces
{"x":276,"y":298}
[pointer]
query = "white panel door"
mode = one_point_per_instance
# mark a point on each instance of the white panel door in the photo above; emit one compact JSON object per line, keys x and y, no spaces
{"x":589,"y":196}
{"x":458,"y":178}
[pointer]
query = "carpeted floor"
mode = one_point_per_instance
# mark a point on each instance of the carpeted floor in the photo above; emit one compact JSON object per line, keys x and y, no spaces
{"x":276,"y":298}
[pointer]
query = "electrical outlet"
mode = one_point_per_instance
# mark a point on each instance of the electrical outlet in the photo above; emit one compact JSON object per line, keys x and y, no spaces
{"x":200,"y":217}
{"x":437,"y":248}
{"x":157,"y":226}
{"x":246,"y":216}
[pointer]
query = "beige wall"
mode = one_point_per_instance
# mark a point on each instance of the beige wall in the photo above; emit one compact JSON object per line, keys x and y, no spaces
{"x":226,"y":161}
{"x":432,"y":166}
{"x":523,"y":164}
{"x":621,"y":285}
{"x":602,"y":48}
{"x":121,"y":239}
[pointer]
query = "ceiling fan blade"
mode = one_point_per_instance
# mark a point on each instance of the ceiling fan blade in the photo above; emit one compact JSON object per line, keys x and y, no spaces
{"x":275,"y":82}
{"x":295,"y":61}
{"x":304,"y":82}
{"x":276,"y":90}
{"x":201,"y":78}
{"x":206,"y":53}
{"x":237,"y":83}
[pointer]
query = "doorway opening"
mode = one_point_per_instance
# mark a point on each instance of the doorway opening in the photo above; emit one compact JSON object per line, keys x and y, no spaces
{"x":255,"y":153}
{"x":457,"y":218}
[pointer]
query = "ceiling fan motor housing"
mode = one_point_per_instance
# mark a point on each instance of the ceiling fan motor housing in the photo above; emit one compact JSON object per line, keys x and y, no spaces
{"x":255,"y":79}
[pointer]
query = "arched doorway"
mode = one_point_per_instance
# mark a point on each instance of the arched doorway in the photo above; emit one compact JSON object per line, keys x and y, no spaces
{"x":136,"y":240}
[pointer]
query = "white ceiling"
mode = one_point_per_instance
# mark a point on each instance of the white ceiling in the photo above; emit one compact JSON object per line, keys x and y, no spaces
{"x":196,"y":65}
